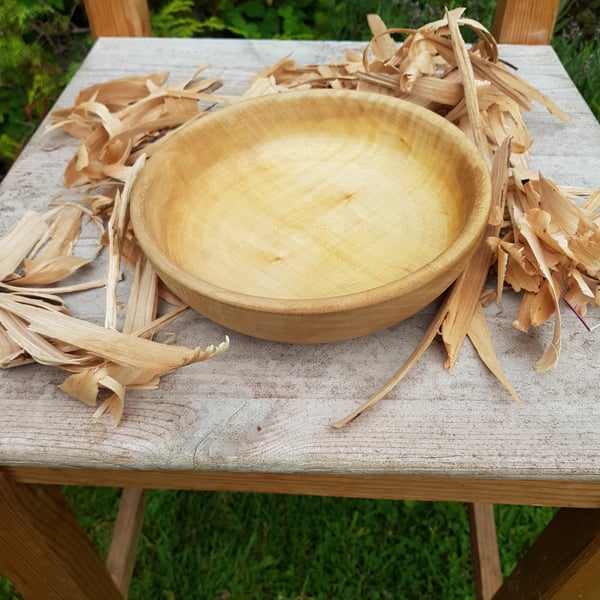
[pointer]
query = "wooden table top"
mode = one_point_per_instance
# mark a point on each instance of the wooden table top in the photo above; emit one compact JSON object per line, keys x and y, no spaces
{"x":265,"y":407}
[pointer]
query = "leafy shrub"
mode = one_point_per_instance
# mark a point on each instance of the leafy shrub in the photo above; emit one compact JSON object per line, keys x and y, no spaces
{"x":577,"y":42}
{"x":249,"y":18}
{"x":37,"y":57}
{"x":298,"y":19}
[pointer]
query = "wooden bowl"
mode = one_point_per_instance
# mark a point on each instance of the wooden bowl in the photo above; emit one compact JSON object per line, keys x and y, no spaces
{"x":312,"y":216}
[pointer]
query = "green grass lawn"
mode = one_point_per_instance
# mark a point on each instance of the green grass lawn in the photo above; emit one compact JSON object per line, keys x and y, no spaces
{"x":221,"y":546}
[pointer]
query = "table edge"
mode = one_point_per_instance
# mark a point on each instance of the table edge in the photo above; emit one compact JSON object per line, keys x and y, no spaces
{"x":563,"y":493}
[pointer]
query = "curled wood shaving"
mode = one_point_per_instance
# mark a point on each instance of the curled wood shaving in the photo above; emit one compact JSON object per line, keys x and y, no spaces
{"x":479,"y":335}
{"x":465,"y":295}
{"x":116,"y":122}
{"x":19,"y":241}
{"x":123,"y":349}
{"x":132,"y":359}
{"x":543,"y":239}
{"x":542,"y":243}
{"x":42,"y":245}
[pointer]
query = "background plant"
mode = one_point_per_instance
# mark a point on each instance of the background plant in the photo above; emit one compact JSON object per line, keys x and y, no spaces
{"x":291,"y":19}
{"x":40,"y":47}
{"x":298,"y":19}
{"x":577,"y":43}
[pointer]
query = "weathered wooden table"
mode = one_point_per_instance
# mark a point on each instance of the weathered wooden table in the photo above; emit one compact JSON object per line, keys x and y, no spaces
{"x":258,"y":418}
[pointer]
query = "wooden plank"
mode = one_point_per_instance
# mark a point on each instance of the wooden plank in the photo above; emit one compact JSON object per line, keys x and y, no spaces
{"x":43,"y":550}
{"x":531,"y":22}
{"x":127,"y":18}
{"x":126,"y":533}
{"x":392,"y":487}
{"x":484,"y":550}
{"x":563,"y":563}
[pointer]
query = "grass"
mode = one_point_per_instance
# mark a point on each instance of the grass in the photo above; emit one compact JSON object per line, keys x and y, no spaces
{"x":229,"y":546}
{"x":222,"y":546}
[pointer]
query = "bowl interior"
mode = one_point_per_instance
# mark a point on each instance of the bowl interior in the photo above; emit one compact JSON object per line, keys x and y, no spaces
{"x":312,"y":195}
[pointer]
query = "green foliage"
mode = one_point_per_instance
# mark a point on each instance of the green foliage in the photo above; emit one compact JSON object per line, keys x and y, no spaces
{"x":249,"y":19}
{"x":37,"y":51}
{"x":176,"y":19}
{"x":260,"y":19}
{"x":518,"y":527}
{"x":346,"y":19}
{"x":271,"y":546}
{"x":298,"y":19}
{"x":577,"y":43}
{"x":582,"y":62}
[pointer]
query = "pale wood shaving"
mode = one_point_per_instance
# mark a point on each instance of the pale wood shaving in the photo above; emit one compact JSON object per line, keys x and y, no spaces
{"x":123,"y":116}
{"x":117,"y":229}
{"x":551,"y":248}
{"x":544,"y":240}
{"x":123,"y":349}
{"x":117,"y":122}
{"x":34,"y":343}
{"x":11,"y":354}
{"x":465,"y":294}
{"x":42,"y":244}
{"x":480,"y":336}
{"x":18,"y":241}
{"x":400,"y":374}
{"x":470,"y":91}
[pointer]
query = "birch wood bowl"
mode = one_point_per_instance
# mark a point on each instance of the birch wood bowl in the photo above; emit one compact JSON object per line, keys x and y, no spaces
{"x":312,"y":216}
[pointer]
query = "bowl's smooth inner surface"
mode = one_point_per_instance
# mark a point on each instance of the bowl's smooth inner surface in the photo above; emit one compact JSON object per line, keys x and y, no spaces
{"x":323,"y":216}
{"x":313,"y":198}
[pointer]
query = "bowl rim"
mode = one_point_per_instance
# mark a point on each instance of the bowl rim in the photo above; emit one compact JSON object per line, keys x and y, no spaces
{"x":463,"y":244}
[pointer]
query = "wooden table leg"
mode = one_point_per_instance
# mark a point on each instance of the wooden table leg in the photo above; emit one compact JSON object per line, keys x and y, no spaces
{"x":43,"y":550}
{"x":126,"y":534}
{"x":484,"y":550}
{"x":563,"y":563}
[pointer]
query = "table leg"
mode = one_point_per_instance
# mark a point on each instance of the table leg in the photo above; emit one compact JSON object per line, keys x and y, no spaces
{"x":43,"y":550}
{"x":484,"y":550}
{"x":126,"y":534}
{"x":563,"y":563}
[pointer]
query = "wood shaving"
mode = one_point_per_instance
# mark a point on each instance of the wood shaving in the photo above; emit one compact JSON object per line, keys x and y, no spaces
{"x":542,"y":240}
{"x":542,"y":243}
{"x":118,"y":122}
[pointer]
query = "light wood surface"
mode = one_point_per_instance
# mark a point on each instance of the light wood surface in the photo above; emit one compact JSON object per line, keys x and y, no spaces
{"x":266,"y":407}
{"x":484,"y":550}
{"x":525,"y":22}
{"x":344,"y":485}
{"x":312,"y":216}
